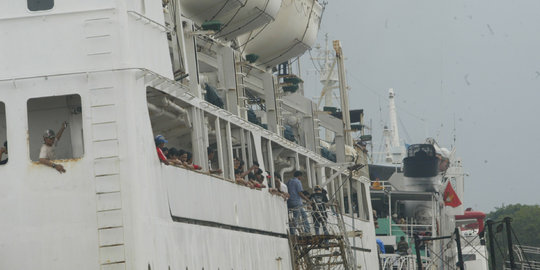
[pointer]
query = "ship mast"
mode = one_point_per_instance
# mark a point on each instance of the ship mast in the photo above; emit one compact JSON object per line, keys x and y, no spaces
{"x":393,"y":119}
{"x":344,"y":96}
{"x":328,"y":78}
{"x":394,"y":151}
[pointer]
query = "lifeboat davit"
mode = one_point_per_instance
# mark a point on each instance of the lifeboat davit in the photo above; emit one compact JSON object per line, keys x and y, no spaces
{"x":236,"y":16}
{"x":292,"y":33}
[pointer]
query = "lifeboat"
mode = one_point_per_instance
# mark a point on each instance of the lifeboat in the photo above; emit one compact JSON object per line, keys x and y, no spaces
{"x":293,"y":32}
{"x":421,"y":168}
{"x":235,"y":16}
{"x":421,"y":161}
{"x":472,"y":220}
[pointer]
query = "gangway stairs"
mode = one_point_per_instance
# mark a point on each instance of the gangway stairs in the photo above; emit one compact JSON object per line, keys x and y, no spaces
{"x":311,"y":251}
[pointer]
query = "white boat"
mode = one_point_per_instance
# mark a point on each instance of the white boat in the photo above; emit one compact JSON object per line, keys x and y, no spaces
{"x":418,"y":194}
{"x":121,"y":72}
{"x":274,"y":46}
{"x":236,"y":16}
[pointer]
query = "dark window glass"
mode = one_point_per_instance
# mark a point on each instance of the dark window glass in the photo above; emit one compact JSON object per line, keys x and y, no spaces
{"x":36,"y":5}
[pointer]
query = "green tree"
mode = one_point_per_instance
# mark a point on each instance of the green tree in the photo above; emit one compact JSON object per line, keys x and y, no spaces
{"x":526,"y":221}
{"x":525,"y":224}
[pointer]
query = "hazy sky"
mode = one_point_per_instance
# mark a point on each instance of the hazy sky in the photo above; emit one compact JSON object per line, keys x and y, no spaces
{"x":472,"y":63}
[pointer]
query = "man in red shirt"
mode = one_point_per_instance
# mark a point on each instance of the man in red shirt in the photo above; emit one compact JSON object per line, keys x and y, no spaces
{"x":160,"y":143}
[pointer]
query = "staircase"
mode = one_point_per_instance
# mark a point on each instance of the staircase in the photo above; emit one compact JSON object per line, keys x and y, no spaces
{"x":330,"y":252}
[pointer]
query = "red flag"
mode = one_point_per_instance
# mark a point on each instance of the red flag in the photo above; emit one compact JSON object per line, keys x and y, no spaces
{"x":450,"y":197}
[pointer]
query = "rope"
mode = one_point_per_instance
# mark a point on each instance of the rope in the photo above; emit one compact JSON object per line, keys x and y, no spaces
{"x":232,"y":18}
{"x":303,"y":36}
{"x":219,"y":11}
{"x":250,"y":21}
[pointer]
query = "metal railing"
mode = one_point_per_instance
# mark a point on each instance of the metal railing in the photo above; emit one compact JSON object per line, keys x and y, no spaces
{"x":400,"y":262}
{"x":319,"y":239}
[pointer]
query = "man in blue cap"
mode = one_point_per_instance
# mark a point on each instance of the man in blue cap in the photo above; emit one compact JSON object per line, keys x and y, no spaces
{"x":160,"y":143}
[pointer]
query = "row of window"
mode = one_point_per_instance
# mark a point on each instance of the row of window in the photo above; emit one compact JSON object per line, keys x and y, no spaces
{"x":49,"y":115}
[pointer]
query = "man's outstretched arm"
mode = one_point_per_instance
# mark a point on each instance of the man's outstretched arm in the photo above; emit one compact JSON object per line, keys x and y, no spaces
{"x":59,"y":133}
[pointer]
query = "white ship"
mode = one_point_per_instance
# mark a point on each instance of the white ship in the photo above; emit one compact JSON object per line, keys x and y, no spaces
{"x":417,"y":193}
{"x":121,"y":72}
{"x":203,"y":74}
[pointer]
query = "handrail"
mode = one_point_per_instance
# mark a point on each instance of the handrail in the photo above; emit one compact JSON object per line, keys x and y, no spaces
{"x":137,"y":14}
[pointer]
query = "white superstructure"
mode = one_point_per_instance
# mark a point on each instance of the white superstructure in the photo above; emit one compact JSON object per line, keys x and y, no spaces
{"x":121,"y":72}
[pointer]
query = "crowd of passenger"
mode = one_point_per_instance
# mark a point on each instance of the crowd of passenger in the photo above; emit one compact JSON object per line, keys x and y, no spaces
{"x":174,"y":157}
{"x":254,"y":177}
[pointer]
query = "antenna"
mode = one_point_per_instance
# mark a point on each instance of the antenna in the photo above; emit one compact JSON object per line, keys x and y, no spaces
{"x":454,"y":131}
{"x":393,"y":118}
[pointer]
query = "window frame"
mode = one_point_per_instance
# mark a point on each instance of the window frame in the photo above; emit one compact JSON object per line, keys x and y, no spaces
{"x":55,"y":129}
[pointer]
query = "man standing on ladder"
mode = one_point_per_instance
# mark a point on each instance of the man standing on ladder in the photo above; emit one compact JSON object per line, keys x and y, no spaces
{"x":295,"y":204}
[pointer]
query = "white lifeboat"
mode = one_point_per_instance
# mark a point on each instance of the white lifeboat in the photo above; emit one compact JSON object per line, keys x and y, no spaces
{"x":292,"y":33}
{"x":236,"y":16}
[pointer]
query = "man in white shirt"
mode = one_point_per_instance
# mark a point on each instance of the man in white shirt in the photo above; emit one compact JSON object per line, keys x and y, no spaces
{"x":46,"y":154}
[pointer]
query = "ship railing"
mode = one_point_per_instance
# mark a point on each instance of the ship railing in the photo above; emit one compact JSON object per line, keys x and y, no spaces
{"x":400,"y":262}
{"x":527,"y":257}
{"x":381,"y":185}
{"x":411,"y":229}
{"x":318,"y":231}
{"x":324,"y":217}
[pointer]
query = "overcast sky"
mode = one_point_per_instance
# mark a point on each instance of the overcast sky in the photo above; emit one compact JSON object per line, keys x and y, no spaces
{"x":472,"y":63}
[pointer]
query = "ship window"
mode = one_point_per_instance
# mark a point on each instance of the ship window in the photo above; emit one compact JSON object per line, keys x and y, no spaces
{"x":37,"y":5}
{"x":469,"y":257}
{"x":50,"y":113}
{"x":3,"y":134}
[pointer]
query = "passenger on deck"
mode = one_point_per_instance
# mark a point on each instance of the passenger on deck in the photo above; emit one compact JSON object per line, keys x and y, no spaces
{"x":395,"y":218}
{"x":172,"y":157}
{"x":318,"y":204}
{"x":2,"y":151}
{"x":381,"y":246}
{"x":279,"y":188}
{"x":160,"y":143}
{"x":46,"y":154}
{"x":296,"y":205}
{"x":211,"y":153}
{"x":184,"y":156}
{"x":402,"y":246}
{"x":259,"y":178}
{"x":190,"y":162}
{"x":283,"y":187}
{"x":376,"y":185}
{"x":362,"y":146}
{"x":252,"y":178}
{"x":239,"y":173}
